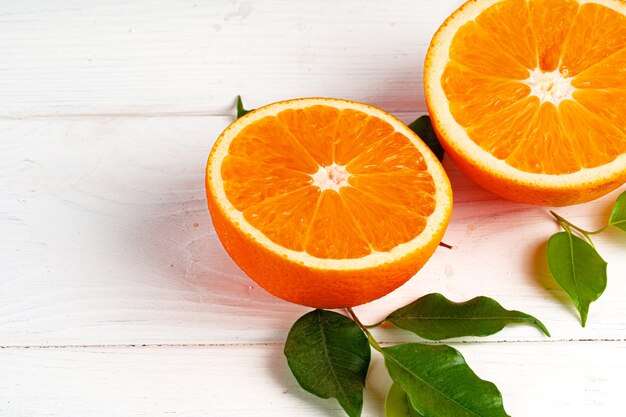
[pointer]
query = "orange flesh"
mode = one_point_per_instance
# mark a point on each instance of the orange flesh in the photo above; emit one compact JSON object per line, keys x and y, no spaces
{"x":492,"y":57}
{"x":269,"y":176}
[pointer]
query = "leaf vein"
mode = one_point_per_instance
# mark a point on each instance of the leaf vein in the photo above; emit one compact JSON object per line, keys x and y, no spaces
{"x":433,"y":387}
{"x":574,"y":276}
{"x":462,"y":318}
{"x":327,"y":355}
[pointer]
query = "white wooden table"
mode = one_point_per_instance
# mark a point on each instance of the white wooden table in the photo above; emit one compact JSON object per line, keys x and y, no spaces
{"x":116,"y":298}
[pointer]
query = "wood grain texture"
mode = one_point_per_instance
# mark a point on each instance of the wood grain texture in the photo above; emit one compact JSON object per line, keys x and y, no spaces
{"x":116,"y":297}
{"x":536,"y":379}
{"x":171,"y":56}
{"x":107,"y":240}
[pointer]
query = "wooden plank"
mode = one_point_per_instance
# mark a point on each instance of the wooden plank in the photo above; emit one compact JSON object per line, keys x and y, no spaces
{"x":171,"y":56}
{"x":106,"y":239}
{"x":536,"y":379}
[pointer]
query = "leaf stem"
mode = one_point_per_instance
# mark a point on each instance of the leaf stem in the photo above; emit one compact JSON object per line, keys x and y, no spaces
{"x":370,"y":338}
{"x":567,"y":225}
{"x":445,"y":245}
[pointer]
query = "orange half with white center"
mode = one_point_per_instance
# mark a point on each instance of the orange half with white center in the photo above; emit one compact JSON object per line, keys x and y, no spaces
{"x":326,"y":202}
{"x":528,"y":97}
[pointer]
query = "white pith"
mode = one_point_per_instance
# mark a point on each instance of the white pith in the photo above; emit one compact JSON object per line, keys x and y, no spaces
{"x":436,"y":61}
{"x":436,"y":222}
{"x":331,"y":177}
{"x":550,"y":87}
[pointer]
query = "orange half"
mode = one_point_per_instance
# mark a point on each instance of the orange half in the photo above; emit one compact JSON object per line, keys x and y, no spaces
{"x":529,"y":96}
{"x":326,"y":202}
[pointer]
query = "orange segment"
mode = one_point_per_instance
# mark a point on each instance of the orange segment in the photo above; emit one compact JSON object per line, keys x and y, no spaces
{"x":508,"y":24}
{"x":580,"y":124}
{"x":326,"y":202}
{"x":413,"y":190}
{"x":285,"y":218}
{"x":475,"y":48}
{"x":597,"y":33}
{"x":383,"y":225}
{"x":315,"y":129}
{"x":551,"y":21}
{"x":500,"y":133}
{"x":545,"y":148}
{"x":256,"y":142}
{"x":248,"y":182}
{"x":473,"y":95}
{"x":355,"y":131}
{"x":609,"y":104}
{"x":333,"y":233}
{"x":394,"y":152}
{"x":528,"y":96}
{"x":608,"y":73}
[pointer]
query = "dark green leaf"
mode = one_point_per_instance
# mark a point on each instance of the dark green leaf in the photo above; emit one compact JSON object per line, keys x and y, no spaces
{"x":329,"y":355}
{"x":439,"y":383}
{"x":435,"y":317}
{"x":424,"y":129}
{"x":240,"y":110}
{"x":618,"y":215}
{"x":578,"y":268}
{"x":398,"y":404}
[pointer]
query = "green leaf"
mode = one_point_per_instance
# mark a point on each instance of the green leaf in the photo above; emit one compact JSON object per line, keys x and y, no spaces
{"x":398,"y":404}
{"x":329,"y":355}
{"x":240,"y":110}
{"x":439,"y":383}
{"x":424,"y":129}
{"x":618,"y":215}
{"x":435,"y":317}
{"x":578,"y":269}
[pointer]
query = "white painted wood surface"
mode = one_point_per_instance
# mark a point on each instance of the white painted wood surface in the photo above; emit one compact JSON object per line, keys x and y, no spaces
{"x":239,"y":380}
{"x":107,"y":114}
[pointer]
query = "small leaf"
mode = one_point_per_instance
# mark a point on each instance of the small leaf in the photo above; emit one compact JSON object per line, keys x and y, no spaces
{"x":578,"y":269}
{"x":398,"y":404}
{"x":435,"y":317}
{"x":438,"y":382}
{"x":329,"y":355}
{"x":618,"y":215}
{"x":240,"y":110}
{"x":424,"y":129}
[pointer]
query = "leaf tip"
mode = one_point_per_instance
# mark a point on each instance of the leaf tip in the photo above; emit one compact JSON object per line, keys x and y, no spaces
{"x":352,"y":410}
{"x":240,"y":110}
{"x":584,"y":313}
{"x":583,"y":318}
{"x":543,"y":328}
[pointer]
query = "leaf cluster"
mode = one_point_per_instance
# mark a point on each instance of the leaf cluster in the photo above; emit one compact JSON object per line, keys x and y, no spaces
{"x":329,"y":355}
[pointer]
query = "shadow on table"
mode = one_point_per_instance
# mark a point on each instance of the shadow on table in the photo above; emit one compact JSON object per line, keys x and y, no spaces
{"x":174,"y":254}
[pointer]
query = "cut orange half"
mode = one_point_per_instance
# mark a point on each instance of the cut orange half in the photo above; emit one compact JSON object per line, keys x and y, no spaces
{"x":528,"y":97}
{"x":326,"y":202}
